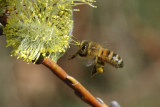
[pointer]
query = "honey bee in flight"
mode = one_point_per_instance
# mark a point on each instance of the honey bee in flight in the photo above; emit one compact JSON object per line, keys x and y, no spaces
{"x":92,"y":50}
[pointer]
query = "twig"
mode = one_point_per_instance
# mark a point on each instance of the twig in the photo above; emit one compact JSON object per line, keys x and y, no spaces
{"x":3,"y":20}
{"x":79,"y":89}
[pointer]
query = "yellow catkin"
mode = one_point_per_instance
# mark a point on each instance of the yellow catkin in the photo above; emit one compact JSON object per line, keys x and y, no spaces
{"x":40,"y":27}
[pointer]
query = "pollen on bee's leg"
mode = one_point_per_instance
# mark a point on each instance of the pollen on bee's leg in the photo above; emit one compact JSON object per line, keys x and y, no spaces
{"x":99,"y":69}
{"x":94,"y":71}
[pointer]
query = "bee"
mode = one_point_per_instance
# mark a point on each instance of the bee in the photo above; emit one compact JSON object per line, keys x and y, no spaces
{"x":101,"y":56}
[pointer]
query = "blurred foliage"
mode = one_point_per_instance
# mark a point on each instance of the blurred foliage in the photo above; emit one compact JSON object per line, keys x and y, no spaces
{"x":128,"y":27}
{"x":149,"y":12}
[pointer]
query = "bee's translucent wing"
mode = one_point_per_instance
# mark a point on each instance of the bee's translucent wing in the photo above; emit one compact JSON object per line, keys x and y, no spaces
{"x":90,"y":62}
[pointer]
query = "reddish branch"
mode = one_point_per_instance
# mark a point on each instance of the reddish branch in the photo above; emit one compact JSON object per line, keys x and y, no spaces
{"x":3,"y":20}
{"x":79,"y":89}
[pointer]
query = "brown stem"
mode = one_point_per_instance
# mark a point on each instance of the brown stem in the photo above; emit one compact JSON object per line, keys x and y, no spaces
{"x":79,"y":89}
{"x":3,"y":20}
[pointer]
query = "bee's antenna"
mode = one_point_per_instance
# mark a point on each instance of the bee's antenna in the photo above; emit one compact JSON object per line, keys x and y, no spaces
{"x":75,"y":41}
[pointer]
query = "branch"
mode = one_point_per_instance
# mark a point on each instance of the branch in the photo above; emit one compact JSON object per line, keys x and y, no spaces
{"x":79,"y":89}
{"x":3,"y":21}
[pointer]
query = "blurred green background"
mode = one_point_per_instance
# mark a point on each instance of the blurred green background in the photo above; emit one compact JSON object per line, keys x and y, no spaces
{"x":128,"y":27}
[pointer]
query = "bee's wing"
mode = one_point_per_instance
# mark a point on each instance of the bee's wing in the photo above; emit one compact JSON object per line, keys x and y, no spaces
{"x":90,"y":62}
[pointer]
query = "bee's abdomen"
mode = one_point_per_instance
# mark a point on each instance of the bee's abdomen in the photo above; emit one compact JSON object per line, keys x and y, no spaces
{"x":112,"y":58}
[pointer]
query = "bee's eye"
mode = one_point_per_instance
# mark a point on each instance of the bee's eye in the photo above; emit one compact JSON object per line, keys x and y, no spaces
{"x":84,"y":47}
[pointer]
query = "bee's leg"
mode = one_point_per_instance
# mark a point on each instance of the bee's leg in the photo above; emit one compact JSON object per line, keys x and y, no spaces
{"x":73,"y":56}
{"x":98,"y":67}
{"x":94,"y":71}
{"x":96,"y":59}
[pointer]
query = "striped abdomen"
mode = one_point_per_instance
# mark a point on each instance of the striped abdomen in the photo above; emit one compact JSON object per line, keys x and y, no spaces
{"x":111,"y":58}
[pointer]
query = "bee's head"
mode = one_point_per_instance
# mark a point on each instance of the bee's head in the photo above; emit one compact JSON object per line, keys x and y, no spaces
{"x":83,"y":47}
